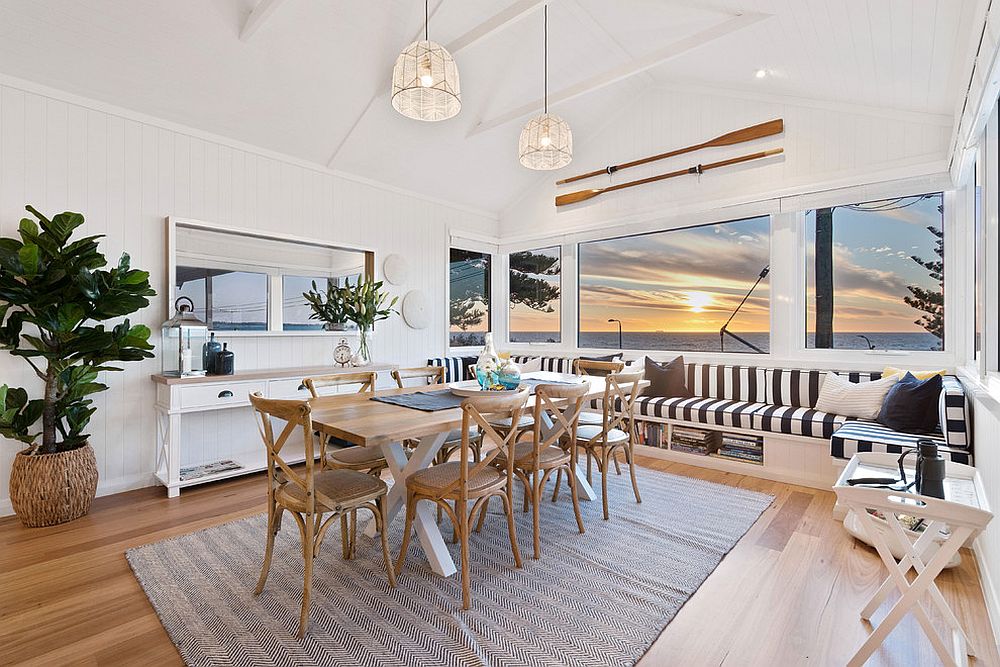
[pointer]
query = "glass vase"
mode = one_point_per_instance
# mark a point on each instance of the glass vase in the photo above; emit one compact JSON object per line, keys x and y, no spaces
{"x":363,"y":356}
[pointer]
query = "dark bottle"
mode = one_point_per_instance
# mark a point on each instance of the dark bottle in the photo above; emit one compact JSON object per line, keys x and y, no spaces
{"x":209,"y":350}
{"x":225,"y":362}
{"x":930,"y":470}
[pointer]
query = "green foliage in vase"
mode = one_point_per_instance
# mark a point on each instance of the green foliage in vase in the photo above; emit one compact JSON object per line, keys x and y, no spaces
{"x":53,"y":291}
{"x":328,"y":306}
{"x":367,"y":303}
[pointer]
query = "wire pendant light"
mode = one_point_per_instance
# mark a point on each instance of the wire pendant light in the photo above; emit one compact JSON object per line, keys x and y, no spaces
{"x":546,"y":141}
{"x":425,"y":81}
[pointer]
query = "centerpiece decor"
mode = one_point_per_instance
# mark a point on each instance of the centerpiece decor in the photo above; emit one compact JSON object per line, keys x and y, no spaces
{"x":365,"y":304}
{"x":488,"y":366}
{"x":52,"y":293}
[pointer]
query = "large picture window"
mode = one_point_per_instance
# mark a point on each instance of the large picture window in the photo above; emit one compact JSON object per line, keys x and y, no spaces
{"x":675,"y":290}
{"x":535,"y":295}
{"x":469,"y":296}
{"x":875,"y":275}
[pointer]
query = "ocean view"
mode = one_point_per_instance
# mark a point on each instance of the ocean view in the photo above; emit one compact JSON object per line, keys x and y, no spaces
{"x":709,"y":341}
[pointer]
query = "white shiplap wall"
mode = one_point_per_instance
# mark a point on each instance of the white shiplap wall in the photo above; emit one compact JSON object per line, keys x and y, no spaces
{"x":986,"y":411}
{"x":827,"y":145}
{"x":126,"y":173}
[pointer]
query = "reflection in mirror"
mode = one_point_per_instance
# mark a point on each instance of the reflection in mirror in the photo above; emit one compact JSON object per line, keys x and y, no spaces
{"x":243,"y":282}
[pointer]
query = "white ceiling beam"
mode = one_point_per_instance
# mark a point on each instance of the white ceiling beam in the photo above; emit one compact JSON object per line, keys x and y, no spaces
{"x":625,"y":71}
{"x":264,"y":10}
{"x":490,"y":26}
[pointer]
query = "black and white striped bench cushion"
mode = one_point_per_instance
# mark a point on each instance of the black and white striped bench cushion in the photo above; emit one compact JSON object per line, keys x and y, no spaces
{"x":796,"y":421}
{"x":800,"y":388}
{"x":855,"y":436}
{"x":720,"y":412}
{"x":551,"y":364}
{"x":955,"y":419}
{"x":738,"y":383}
{"x":454,"y":367}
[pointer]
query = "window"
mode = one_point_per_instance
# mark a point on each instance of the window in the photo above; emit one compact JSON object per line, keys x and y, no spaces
{"x":977,"y":264}
{"x":226,"y":300}
{"x":875,"y":275}
{"x":295,"y":310}
{"x":676,"y":290}
{"x":534,"y":295}
{"x":469,"y":297}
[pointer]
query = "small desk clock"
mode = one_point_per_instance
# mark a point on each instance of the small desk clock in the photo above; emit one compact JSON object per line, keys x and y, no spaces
{"x":342,"y":353}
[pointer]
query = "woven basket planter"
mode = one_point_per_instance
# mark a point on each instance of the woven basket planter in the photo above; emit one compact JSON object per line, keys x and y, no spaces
{"x":46,"y":489}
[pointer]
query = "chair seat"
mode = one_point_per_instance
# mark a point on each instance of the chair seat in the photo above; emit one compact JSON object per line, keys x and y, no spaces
{"x":345,"y":488}
{"x":432,"y":481}
{"x":591,"y":419}
{"x":549,"y":457}
{"x":586,"y":434}
{"x":455,"y":435}
{"x":356,"y":457}
{"x":524,"y":422}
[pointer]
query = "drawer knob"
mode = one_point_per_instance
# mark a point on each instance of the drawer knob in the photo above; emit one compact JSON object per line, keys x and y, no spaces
{"x":302,"y":387}
{"x":225,"y":393}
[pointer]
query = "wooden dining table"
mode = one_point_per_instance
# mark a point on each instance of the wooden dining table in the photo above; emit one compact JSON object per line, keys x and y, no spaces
{"x":362,"y":421}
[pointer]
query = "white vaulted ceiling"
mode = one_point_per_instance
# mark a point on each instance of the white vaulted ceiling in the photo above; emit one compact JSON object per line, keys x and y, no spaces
{"x":312,"y":79}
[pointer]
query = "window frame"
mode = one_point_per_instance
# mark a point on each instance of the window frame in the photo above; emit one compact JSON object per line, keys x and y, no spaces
{"x":496,"y":324}
{"x":729,"y":354}
{"x":562,"y":297}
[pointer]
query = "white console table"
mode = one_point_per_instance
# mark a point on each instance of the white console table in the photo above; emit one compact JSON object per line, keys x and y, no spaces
{"x":176,"y":397}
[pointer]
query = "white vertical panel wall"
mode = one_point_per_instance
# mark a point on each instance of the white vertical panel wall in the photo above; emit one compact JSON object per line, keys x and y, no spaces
{"x":986,"y":411}
{"x":126,"y":173}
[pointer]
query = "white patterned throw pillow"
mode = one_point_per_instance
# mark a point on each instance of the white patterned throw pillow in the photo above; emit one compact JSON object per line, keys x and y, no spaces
{"x":861,"y":400}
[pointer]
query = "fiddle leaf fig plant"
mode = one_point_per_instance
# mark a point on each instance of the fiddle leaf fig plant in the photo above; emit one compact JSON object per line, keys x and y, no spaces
{"x":54,"y":292}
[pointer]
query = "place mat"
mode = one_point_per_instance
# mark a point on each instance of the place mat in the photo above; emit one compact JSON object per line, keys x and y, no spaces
{"x":427,"y":401}
{"x":534,"y":382}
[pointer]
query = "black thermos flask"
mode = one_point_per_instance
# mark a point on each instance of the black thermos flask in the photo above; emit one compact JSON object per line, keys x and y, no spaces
{"x":225,"y":361}
{"x":930,"y":470}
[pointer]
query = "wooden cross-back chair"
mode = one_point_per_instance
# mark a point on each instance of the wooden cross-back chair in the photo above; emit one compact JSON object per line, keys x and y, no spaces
{"x":602,"y":369}
{"x":343,"y":455}
{"x":615,"y":432}
{"x":549,"y":449}
{"x":308,"y":494}
{"x":462,"y":481}
{"x":431,"y":374}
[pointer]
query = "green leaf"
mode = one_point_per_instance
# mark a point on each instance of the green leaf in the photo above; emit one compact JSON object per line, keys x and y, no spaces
{"x":62,"y":225}
{"x":28,"y":229}
{"x":28,"y":255}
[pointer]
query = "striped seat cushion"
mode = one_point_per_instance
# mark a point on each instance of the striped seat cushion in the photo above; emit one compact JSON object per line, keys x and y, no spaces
{"x":855,"y":436}
{"x":800,"y":388}
{"x":551,"y":364}
{"x":739,"y":383}
{"x":717,"y":411}
{"x":792,"y":420}
{"x":954,"y":414}
{"x":454,"y":367}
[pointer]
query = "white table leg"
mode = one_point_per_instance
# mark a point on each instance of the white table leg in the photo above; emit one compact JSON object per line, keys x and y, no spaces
{"x":912,"y":593}
{"x":426,"y":520}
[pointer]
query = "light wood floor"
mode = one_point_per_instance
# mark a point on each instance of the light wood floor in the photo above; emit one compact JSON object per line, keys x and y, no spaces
{"x":788,"y":594}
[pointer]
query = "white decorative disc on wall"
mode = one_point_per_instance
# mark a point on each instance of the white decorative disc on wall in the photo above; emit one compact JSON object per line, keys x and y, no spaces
{"x":416,"y":310}
{"x":395,"y":269}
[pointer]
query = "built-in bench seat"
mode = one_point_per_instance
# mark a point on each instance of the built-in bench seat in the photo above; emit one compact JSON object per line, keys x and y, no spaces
{"x":780,"y":401}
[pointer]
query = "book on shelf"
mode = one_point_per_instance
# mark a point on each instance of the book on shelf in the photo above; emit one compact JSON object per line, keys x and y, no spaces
{"x":742,"y":458}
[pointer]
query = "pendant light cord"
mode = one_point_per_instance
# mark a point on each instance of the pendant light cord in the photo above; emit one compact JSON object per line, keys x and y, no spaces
{"x":545,"y":50}
{"x":426,"y":20}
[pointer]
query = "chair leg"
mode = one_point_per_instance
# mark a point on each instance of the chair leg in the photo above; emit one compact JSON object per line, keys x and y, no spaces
{"x":272,"y":531}
{"x":383,"y":533}
{"x":618,"y":469}
{"x":455,"y":529}
{"x":463,"y":534}
{"x":411,"y":511}
{"x":482,"y":516}
{"x":631,"y":467}
{"x":576,"y":499}
{"x":527,"y":492}
{"x":604,"y":482}
{"x":345,"y":538}
{"x":354,"y":534}
{"x":589,"y":480}
{"x":307,"y":556}
{"x":555,"y":491}
{"x":508,"y":508}
{"x":536,"y":496}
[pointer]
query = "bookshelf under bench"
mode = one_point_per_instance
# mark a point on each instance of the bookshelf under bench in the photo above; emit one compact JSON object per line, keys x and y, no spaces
{"x":779,"y":457}
{"x":205,"y":429}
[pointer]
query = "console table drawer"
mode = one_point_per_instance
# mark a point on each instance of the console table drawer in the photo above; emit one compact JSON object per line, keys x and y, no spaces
{"x":228,"y":393}
{"x":287,"y":388}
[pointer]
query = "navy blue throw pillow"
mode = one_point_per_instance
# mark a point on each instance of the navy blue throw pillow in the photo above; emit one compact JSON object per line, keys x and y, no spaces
{"x":911,"y":406}
{"x":667,"y":379}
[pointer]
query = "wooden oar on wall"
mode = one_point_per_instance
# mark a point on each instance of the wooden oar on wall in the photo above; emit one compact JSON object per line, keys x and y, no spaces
{"x":768,"y":129}
{"x":584,"y":195}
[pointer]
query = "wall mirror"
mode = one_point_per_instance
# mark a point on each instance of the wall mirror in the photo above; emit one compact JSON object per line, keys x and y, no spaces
{"x":247,"y":281}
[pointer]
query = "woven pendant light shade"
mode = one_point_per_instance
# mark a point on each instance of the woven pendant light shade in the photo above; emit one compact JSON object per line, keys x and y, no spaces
{"x":546,"y":143}
{"x":425,"y":82}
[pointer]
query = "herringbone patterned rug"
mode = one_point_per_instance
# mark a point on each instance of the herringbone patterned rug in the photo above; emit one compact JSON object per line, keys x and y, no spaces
{"x":595,"y":599}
